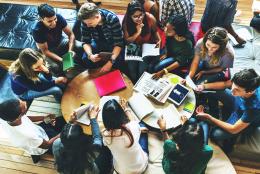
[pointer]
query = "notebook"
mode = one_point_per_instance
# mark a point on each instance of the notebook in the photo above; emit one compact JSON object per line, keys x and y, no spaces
{"x":67,"y":61}
{"x":109,"y":83}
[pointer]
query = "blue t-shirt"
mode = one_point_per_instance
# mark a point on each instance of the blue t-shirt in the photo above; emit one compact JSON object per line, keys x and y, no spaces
{"x":249,"y":108}
{"x":42,"y":34}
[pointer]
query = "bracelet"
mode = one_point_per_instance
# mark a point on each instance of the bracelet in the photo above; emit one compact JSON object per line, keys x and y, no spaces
{"x":165,"y":71}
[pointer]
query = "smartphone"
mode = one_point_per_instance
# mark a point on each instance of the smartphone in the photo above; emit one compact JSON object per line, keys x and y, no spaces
{"x":178,"y":94}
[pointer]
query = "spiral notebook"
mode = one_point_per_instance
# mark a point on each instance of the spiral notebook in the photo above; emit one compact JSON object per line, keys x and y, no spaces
{"x":109,"y":83}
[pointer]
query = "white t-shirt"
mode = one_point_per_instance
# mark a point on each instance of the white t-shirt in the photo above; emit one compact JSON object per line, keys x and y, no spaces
{"x":126,"y":160}
{"x":27,"y":136}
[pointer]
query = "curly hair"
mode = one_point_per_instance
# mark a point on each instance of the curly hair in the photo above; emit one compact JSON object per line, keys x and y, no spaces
{"x":219,"y":36}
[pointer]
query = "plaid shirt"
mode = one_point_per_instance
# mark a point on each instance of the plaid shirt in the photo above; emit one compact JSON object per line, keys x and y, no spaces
{"x":111,"y":29}
{"x":181,"y":7}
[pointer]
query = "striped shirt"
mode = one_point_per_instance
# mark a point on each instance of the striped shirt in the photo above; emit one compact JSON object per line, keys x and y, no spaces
{"x":180,"y":7}
{"x":111,"y":30}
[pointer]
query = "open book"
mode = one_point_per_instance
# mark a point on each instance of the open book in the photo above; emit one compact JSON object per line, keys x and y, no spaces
{"x":137,"y":52}
{"x":149,"y":114}
{"x":143,"y":109}
{"x":169,"y":113}
{"x":67,"y":61}
{"x":157,"y":89}
{"x":82,"y":114}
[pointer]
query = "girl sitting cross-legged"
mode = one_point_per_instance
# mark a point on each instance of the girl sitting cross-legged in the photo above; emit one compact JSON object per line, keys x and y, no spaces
{"x":121,"y":136}
{"x":140,"y":27}
{"x":213,"y":57}
{"x":186,"y":152}
{"x":31,"y":78}
{"x":179,"y":47}
{"x":78,"y":153}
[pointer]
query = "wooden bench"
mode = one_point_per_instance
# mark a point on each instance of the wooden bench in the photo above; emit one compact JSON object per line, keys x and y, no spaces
{"x":44,"y":105}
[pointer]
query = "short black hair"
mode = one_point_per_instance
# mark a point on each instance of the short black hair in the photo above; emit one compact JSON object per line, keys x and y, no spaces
{"x":247,"y":79}
{"x":45,"y":10}
{"x":10,"y":110}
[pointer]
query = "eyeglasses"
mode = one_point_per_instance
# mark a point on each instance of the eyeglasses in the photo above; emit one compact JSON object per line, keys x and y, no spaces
{"x":136,"y":17}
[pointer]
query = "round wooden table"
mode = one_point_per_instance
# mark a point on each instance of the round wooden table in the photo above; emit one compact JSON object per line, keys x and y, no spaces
{"x":189,"y":101}
{"x":82,"y":90}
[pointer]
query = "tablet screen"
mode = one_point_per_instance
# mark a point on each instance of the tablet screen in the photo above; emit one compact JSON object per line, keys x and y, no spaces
{"x":178,"y":94}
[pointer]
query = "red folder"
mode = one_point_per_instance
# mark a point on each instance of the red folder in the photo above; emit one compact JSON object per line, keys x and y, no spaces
{"x":110,"y":82}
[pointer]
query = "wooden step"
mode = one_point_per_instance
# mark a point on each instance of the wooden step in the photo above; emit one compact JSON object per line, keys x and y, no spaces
{"x":43,"y":106}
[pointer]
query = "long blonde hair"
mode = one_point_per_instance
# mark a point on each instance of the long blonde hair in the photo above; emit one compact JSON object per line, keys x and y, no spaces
{"x":23,"y":65}
{"x":216,"y":35}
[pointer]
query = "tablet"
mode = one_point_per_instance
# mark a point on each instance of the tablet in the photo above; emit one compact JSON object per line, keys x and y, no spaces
{"x":178,"y":94}
{"x":105,"y":55}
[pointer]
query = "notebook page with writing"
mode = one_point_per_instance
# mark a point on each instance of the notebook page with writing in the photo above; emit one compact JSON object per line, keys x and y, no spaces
{"x":140,"y":105}
{"x":82,"y":114}
{"x":150,"y":50}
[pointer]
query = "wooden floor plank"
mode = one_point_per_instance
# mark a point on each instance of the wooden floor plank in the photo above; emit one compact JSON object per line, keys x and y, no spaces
{"x":246,"y":170}
{"x":11,"y":150}
{"x":26,"y":167}
{"x":12,"y":171}
{"x":25,"y":160}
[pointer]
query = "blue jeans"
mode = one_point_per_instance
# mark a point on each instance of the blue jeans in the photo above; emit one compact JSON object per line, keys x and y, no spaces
{"x":208,"y":78}
{"x":218,"y":134}
{"x":143,"y":140}
{"x":137,"y":68}
{"x":164,"y":63}
{"x":229,"y":106}
{"x":167,"y":62}
{"x":55,"y":91}
{"x":57,"y":67}
{"x":226,"y":98}
{"x":205,"y":128}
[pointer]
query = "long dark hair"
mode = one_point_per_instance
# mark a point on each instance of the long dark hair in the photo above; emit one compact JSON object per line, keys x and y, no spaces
{"x":77,"y":151}
{"x":114,"y":117}
{"x":189,"y":139}
{"x":128,"y":21}
{"x":181,"y":27}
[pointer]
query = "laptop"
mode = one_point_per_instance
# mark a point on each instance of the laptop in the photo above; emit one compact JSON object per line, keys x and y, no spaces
{"x":109,"y":83}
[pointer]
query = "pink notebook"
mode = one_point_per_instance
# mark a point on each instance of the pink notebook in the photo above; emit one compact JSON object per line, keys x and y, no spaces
{"x":110,"y":82}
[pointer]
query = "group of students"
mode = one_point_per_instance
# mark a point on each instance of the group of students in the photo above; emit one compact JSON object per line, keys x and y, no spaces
{"x":123,"y":146}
